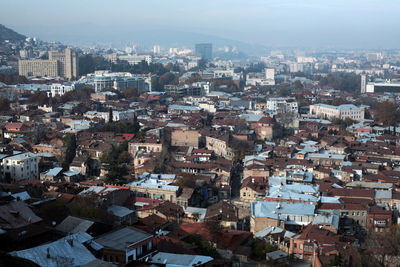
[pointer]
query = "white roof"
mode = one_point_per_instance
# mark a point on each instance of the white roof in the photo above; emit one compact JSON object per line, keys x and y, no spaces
{"x":62,"y":252}
{"x":22,"y":196}
{"x":272,"y":209}
{"x":119,"y":211}
{"x":179,"y":260}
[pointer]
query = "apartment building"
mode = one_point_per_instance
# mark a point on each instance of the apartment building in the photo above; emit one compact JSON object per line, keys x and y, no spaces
{"x":64,"y":64}
{"x":281,"y":214}
{"x":36,"y":67}
{"x":346,"y":111}
{"x":19,"y":167}
{"x":279,"y":105}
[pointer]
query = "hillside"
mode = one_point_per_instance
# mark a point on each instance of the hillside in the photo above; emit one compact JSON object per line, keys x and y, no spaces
{"x":8,"y":34}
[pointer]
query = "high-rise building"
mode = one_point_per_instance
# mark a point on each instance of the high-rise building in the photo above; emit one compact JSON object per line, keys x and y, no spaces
{"x":38,"y":67}
{"x":204,"y":51}
{"x":363,"y":84}
{"x":270,"y":74}
{"x":156,"y":50}
{"x":69,"y":63}
{"x":63,"y":64}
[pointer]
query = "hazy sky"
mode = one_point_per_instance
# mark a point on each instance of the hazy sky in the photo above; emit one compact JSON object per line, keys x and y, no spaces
{"x":342,"y":23}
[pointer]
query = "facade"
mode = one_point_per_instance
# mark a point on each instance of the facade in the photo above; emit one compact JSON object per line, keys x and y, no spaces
{"x":220,"y":147}
{"x":148,"y":146}
{"x":386,"y":87}
{"x":124,"y":245}
{"x":36,"y":67}
{"x":264,"y":214}
{"x":118,"y":81}
{"x":64,"y":64}
{"x":181,"y":137}
{"x":58,"y":89}
{"x":136,"y":59}
{"x":346,"y":111}
{"x":363,"y":84}
{"x":155,"y":188}
{"x":21,"y":166}
{"x":204,"y":51}
{"x":280,"y":105}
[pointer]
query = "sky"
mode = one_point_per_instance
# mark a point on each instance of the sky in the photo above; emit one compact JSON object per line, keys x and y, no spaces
{"x":291,"y":23}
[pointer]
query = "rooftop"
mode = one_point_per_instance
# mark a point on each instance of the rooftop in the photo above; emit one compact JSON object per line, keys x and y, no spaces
{"x":122,"y":238}
{"x":275,"y":209}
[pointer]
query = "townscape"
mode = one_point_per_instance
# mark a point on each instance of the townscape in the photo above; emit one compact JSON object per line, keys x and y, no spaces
{"x":197,"y":156}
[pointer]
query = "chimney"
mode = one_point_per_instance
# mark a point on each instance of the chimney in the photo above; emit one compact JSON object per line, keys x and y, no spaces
{"x":48,"y":253}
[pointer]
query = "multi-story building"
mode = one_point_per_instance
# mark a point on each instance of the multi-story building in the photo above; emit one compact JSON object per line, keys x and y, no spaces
{"x":117,"y":80}
{"x":136,"y":59}
{"x":220,"y":146}
{"x":155,"y":188}
{"x":346,"y":111}
{"x":182,"y":137}
{"x":363,"y":84}
{"x":35,"y":67}
{"x":19,"y":167}
{"x":146,"y":145}
{"x":283,"y":214}
{"x":278,"y":105}
{"x":58,"y":89}
{"x":63,"y":64}
{"x":124,"y":245}
{"x":382,"y":87}
{"x":204,"y":51}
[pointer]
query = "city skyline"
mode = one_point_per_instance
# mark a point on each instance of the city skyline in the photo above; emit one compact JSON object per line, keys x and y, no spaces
{"x":342,"y":24}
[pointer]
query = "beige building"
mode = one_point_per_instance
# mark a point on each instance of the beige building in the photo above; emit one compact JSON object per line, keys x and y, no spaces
{"x":38,"y":67}
{"x":63,"y":64}
{"x":220,"y":146}
{"x":181,"y":137}
{"x":145,"y":145}
{"x":347,"y":111}
{"x":155,"y":188}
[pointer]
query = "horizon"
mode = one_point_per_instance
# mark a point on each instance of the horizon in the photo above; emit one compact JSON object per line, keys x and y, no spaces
{"x":310,"y":24}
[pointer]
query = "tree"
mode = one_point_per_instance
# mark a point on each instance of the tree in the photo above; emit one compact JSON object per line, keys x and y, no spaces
{"x":131,"y":93}
{"x":136,"y":125}
{"x":259,"y":248}
{"x":387,"y":113}
{"x":297,"y":85}
{"x":38,"y":98}
{"x":110,"y":115}
{"x":215,"y":230}
{"x":69,"y":142}
{"x":4,"y":104}
{"x":283,"y":91}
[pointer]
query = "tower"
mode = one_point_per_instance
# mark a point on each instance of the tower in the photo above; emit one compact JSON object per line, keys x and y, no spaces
{"x":363,"y":84}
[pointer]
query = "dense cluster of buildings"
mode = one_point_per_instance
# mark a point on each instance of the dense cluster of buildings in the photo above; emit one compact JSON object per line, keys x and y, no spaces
{"x":202,"y":169}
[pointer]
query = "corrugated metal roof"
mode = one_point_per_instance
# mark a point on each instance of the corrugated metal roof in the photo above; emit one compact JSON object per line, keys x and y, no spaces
{"x":67,"y":251}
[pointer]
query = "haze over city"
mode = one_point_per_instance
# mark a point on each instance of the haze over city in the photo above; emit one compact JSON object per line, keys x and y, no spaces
{"x":200,"y":133}
{"x":291,"y":23}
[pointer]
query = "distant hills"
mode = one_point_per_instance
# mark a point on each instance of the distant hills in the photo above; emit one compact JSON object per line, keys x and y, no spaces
{"x":8,"y":34}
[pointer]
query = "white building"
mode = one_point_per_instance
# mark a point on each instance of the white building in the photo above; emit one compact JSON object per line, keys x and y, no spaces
{"x":270,"y":74}
{"x":117,"y":80}
{"x":21,"y":166}
{"x":221,"y":73}
{"x":382,"y":87}
{"x":296,"y":67}
{"x":117,"y":115}
{"x":277,"y":105}
{"x":337,"y":112}
{"x":136,"y":59}
{"x":58,"y":89}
